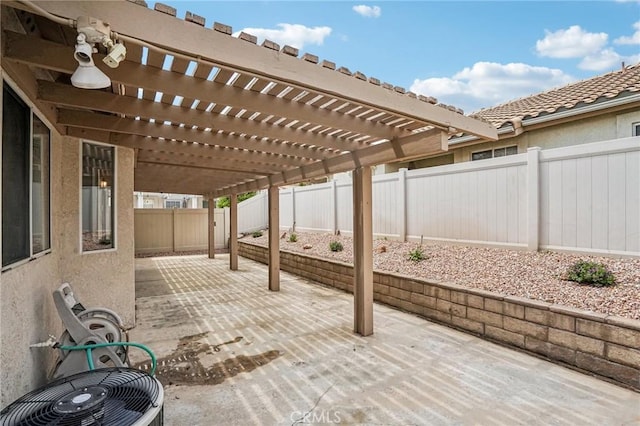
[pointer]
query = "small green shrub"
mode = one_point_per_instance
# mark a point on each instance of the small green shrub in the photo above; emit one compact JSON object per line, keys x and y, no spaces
{"x":293,"y":238}
{"x":417,"y":254}
{"x":336,"y":246}
{"x":257,"y":234}
{"x":592,"y":273}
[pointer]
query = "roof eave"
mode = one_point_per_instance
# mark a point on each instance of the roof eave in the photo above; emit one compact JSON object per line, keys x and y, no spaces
{"x":508,"y":130}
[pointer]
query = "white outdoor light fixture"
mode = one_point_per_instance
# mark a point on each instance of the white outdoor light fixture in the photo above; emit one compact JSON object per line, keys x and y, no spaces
{"x":87,"y":75}
{"x":91,"y":31}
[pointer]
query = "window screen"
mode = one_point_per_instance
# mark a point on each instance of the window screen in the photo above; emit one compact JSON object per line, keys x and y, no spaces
{"x":15,"y":177}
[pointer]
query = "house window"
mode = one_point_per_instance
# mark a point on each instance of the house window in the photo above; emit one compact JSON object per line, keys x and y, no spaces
{"x":493,"y":153}
{"x":25,"y":181}
{"x":635,"y":129}
{"x":172,"y":204}
{"x":98,"y":195}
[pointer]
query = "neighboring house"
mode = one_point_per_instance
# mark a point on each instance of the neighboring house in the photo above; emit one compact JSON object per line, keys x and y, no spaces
{"x":158,"y":200}
{"x":601,"y":108}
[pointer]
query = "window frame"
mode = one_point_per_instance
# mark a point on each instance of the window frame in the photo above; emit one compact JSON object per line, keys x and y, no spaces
{"x":635,"y":129}
{"x":114,"y":199}
{"x":493,"y":152}
{"x":166,"y":202}
{"x":33,"y":111}
{"x":31,"y":188}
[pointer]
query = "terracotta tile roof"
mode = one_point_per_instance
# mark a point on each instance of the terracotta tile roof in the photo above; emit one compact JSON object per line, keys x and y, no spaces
{"x":570,"y":96}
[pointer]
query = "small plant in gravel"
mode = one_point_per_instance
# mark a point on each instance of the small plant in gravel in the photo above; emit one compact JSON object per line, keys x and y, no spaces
{"x":592,"y":273}
{"x":257,"y":234}
{"x":417,"y":254}
{"x":293,"y":238}
{"x":336,"y":246}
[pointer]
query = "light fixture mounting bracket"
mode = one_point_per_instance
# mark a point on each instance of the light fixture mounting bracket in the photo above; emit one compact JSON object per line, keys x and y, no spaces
{"x":95,"y":30}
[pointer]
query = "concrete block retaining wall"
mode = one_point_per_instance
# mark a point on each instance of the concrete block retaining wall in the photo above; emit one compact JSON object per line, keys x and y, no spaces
{"x":605,"y":345}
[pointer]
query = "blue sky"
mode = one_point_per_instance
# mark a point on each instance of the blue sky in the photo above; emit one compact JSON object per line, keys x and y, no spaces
{"x":471,"y":54}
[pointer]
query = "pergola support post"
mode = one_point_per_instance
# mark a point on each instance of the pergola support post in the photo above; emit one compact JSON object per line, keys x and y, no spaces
{"x":211,"y":229}
{"x":233,"y":232}
{"x":362,"y":251}
{"x":274,"y":238}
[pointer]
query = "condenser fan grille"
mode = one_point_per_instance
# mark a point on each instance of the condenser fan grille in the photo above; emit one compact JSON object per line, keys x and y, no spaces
{"x":109,"y":396}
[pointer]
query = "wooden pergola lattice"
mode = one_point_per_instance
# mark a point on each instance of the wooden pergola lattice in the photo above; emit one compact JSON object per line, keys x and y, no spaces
{"x":208,"y":113}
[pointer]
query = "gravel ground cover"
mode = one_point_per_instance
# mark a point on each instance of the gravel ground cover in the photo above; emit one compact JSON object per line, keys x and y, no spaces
{"x":534,"y":275}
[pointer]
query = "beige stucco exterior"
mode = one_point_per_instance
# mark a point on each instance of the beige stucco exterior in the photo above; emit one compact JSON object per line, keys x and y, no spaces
{"x":104,"y":279}
{"x":607,"y":126}
{"x":101,"y":278}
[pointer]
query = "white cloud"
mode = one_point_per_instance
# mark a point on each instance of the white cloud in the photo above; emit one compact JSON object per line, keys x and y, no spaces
{"x":368,"y":11}
{"x":633,"y":39}
{"x":573,"y":42}
{"x":590,"y":48}
{"x":295,"y":35}
{"x":487,"y":84}
{"x":606,"y":58}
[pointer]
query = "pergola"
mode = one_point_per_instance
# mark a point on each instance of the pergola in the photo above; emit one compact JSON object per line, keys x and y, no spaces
{"x":207,"y":113}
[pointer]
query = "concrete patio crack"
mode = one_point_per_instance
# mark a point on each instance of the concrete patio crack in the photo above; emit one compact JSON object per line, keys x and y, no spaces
{"x":300,"y":420}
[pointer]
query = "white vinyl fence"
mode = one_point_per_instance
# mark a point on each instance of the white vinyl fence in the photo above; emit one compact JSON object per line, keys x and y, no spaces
{"x":253,"y":213}
{"x":583,"y":198}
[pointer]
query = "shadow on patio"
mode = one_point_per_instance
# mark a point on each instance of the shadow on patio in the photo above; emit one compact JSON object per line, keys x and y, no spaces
{"x":231,"y":352}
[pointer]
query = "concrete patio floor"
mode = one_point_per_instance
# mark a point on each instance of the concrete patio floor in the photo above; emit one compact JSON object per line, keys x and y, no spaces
{"x":237,"y":354}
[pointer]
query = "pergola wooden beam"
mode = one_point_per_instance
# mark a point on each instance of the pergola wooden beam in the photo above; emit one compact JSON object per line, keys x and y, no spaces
{"x":428,"y":142}
{"x":274,"y":238}
{"x":157,"y":174}
{"x":256,"y":163}
{"x":362,"y":251}
{"x":53,"y":56}
{"x":211,"y":231}
{"x":206,"y":162}
{"x":62,"y":94}
{"x":89,"y":120}
{"x":145,"y":184}
{"x":209,"y":173}
{"x":233,"y":232}
{"x":238,"y":55}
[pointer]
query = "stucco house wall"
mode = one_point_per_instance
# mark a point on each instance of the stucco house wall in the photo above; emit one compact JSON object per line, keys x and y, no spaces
{"x":105,"y":279}
{"x":608,"y":126}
